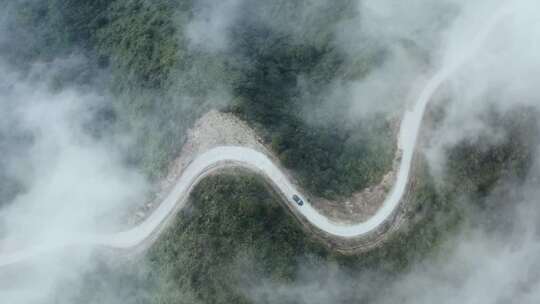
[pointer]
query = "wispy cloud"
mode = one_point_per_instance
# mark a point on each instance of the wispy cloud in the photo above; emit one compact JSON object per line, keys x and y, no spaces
{"x":72,"y":182}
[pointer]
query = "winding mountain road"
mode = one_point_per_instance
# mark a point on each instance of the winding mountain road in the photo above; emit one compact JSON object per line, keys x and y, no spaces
{"x":227,"y":156}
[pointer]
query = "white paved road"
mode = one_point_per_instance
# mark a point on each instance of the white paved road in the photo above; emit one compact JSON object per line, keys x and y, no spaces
{"x":239,"y":156}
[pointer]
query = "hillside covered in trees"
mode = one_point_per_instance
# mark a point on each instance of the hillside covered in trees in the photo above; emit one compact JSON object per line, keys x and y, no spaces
{"x":138,"y":53}
{"x":235,"y":243}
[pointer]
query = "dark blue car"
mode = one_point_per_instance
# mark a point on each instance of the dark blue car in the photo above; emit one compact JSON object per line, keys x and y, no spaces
{"x":297,"y":199}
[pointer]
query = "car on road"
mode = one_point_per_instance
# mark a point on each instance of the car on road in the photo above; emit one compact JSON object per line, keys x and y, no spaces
{"x":297,"y":199}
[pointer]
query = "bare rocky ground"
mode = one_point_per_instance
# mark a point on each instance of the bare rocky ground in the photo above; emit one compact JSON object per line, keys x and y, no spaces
{"x":218,"y":129}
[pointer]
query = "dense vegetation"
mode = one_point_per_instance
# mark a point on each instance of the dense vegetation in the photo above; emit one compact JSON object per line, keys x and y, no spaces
{"x":265,"y":242}
{"x":138,"y":50}
{"x":330,"y":156}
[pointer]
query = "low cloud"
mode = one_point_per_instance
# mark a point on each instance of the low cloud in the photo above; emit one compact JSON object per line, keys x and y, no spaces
{"x":500,"y":78}
{"x":72,"y":182}
{"x":209,"y":30}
